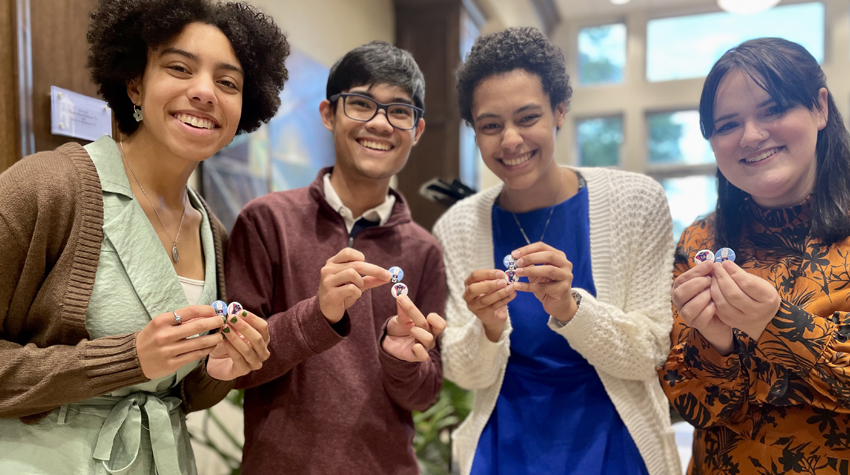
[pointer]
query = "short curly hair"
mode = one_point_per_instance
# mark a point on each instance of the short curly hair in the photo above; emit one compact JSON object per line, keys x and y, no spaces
{"x":122,"y":32}
{"x":514,"y":48}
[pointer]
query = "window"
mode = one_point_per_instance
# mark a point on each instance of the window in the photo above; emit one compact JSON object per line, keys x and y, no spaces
{"x":687,"y":47}
{"x":599,"y":141}
{"x":602,"y":54}
{"x":689,"y":197}
{"x":675,"y":139}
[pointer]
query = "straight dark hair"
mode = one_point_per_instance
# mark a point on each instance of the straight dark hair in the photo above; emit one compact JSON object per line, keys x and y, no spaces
{"x":792,"y":77}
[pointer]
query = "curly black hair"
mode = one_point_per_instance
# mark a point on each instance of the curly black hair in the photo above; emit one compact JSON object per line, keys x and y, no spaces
{"x":122,"y":32}
{"x":515,"y":48}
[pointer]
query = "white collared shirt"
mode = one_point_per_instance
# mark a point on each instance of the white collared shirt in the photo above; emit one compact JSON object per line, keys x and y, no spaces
{"x":380,"y":213}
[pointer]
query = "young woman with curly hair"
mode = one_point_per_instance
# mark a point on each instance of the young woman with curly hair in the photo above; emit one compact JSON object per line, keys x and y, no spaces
{"x":562,"y":365}
{"x":107,"y":336}
{"x":759,"y":363}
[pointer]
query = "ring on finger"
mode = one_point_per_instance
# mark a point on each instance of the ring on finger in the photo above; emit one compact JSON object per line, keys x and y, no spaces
{"x":177,"y":318}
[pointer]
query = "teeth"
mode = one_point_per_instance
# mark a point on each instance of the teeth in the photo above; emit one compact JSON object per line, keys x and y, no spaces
{"x":195,"y":121}
{"x":762,"y":156}
{"x":517,"y":161}
{"x":374,"y":145}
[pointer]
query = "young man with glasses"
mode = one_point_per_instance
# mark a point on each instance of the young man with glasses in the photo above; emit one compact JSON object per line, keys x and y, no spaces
{"x":348,"y":364}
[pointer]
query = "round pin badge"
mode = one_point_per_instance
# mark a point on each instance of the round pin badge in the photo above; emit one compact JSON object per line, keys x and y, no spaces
{"x":398,"y":290}
{"x":509,"y":261}
{"x":510,"y":276}
{"x":396,"y":274}
{"x":220,"y":307}
{"x":703,"y":256}
{"x":724,"y":254}
{"x":234,"y":308}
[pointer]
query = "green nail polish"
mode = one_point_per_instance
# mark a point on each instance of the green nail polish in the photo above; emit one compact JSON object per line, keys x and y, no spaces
{"x":234,"y":319}
{"x":223,"y":336}
{"x":224,"y":320}
{"x":244,"y":313}
{"x":226,"y":330}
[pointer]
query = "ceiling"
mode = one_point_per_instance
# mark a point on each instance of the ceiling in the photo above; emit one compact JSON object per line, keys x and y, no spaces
{"x":571,"y":9}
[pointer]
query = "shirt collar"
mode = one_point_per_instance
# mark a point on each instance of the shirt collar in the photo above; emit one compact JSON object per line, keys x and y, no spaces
{"x":380,"y":213}
{"x":110,"y":168}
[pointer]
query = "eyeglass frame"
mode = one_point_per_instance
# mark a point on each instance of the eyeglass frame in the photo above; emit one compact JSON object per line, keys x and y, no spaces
{"x":379,"y":107}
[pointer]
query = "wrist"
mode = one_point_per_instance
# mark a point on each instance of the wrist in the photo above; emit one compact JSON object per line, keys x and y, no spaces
{"x":575,"y":302}
{"x":493,"y":331}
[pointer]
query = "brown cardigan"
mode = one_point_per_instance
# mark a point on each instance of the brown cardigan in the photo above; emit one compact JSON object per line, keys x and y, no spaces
{"x":51,"y":228}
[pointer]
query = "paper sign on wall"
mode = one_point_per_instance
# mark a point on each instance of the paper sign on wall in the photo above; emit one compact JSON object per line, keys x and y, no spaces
{"x":78,"y":116}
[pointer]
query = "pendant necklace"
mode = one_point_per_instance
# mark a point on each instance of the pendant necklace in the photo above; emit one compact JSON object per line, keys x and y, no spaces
{"x":546,"y":226}
{"x":175,"y":256}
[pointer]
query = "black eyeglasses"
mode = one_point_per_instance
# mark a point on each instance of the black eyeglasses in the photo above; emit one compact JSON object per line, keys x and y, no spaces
{"x":363,"y":109}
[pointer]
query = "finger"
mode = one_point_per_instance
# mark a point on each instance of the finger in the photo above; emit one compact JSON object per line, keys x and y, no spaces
{"x":486,"y":286}
{"x":397,"y":328}
{"x":701,"y":270}
{"x":347,"y":276}
{"x":551,"y":257}
{"x":483,"y":274}
{"x":370,"y":282}
{"x":685,"y":292}
{"x":724,"y":308}
{"x":347,"y":255}
{"x":402,"y":315}
{"x":247,"y":354}
{"x":695,"y":305}
{"x":195,"y":327}
{"x":423,"y":336}
{"x":371,"y":270}
{"x":490,"y":299}
{"x":437,"y":323}
{"x":548,"y":271}
{"x":186,"y":314}
{"x":410,"y":309}
{"x":729,"y":288}
{"x":258,"y":324}
{"x":251,"y":336}
{"x":193,"y":344}
{"x":188,"y":357}
{"x":420,"y":352}
{"x":703,"y":319}
{"x":552,"y":289}
{"x":501,"y":303}
{"x":531,"y":248}
{"x":748,"y":283}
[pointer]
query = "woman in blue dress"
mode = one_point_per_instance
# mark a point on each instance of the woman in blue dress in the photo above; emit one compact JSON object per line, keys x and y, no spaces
{"x":562,"y":360}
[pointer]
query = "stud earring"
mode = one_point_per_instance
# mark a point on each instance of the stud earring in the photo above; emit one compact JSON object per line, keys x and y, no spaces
{"x":137,"y":113}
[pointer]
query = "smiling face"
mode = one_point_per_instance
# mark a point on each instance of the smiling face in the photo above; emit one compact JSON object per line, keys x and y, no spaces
{"x":191,"y":93}
{"x":515,"y":127}
{"x":762,"y":149}
{"x":374,"y":149}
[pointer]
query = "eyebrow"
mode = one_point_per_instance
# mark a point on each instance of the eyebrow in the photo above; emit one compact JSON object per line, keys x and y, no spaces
{"x":195,"y":58}
{"x":729,"y":116}
{"x":394,"y":100}
{"x":522,"y":109}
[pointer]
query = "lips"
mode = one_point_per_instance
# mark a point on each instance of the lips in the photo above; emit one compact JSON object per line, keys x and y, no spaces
{"x":762,"y":155}
{"x":195,"y":121}
{"x":517,"y":160}
{"x":375,"y":145}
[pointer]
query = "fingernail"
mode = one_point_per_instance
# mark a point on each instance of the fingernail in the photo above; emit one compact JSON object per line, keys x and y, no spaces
{"x":226,"y":330}
{"x":520,"y":263}
{"x":224,"y":319}
{"x":515,"y":253}
{"x":519,"y":271}
{"x":223,"y":336}
{"x":244,"y":313}
{"x":234,"y":319}
{"x":501,"y":283}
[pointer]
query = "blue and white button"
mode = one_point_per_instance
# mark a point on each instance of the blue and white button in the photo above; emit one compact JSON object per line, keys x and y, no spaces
{"x":396,"y":274}
{"x":704,"y":256}
{"x":220,"y":307}
{"x":724,"y":254}
{"x":509,"y":261}
{"x":398,"y":290}
{"x":510,"y":276}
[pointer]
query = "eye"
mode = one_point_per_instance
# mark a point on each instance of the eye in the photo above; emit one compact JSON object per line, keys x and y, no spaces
{"x":402,"y":111}
{"x":529,"y":118}
{"x":726,"y":127}
{"x":178,"y":68}
{"x":775,"y":110}
{"x":228,"y":84}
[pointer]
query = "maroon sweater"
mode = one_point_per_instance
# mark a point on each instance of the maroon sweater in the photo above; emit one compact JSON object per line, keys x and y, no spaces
{"x":329,"y":400}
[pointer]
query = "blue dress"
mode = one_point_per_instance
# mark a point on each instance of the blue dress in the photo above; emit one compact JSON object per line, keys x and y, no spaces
{"x":553,"y":415}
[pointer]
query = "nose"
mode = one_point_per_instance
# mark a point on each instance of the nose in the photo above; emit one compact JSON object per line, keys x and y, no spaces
{"x":380,"y":123}
{"x":753,"y":135}
{"x":202,"y":89}
{"x":511,"y":139}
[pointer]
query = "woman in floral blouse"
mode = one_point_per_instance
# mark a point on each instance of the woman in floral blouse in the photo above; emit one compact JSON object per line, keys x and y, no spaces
{"x":760,"y":353}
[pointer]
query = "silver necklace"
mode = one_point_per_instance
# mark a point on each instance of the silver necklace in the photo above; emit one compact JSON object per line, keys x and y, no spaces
{"x":552,"y":210}
{"x":174,"y":254}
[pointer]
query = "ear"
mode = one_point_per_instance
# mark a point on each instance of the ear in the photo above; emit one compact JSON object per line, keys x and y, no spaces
{"x":327,"y":112}
{"x":419,"y":130}
{"x":823,"y":106}
{"x":134,"y":91}
{"x":560,"y":114}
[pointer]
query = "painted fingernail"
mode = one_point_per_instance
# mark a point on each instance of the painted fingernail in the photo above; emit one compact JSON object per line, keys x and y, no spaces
{"x":234,"y":319}
{"x":226,"y":330}
{"x":244,"y":313}
{"x":223,"y":336}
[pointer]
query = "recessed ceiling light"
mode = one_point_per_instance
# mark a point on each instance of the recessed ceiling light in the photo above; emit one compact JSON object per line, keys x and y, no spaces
{"x":746,"y":7}
{"x":620,"y":2}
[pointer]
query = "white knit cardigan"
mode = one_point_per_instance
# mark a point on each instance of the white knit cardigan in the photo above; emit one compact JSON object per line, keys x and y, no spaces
{"x":624,"y":332}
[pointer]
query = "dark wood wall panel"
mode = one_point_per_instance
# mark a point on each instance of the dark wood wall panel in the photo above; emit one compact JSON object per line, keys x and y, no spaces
{"x":10,"y":150}
{"x":430,"y":30}
{"x":59,"y":53}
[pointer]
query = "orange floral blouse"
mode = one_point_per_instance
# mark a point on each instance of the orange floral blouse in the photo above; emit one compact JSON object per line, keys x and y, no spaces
{"x":780,"y":405}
